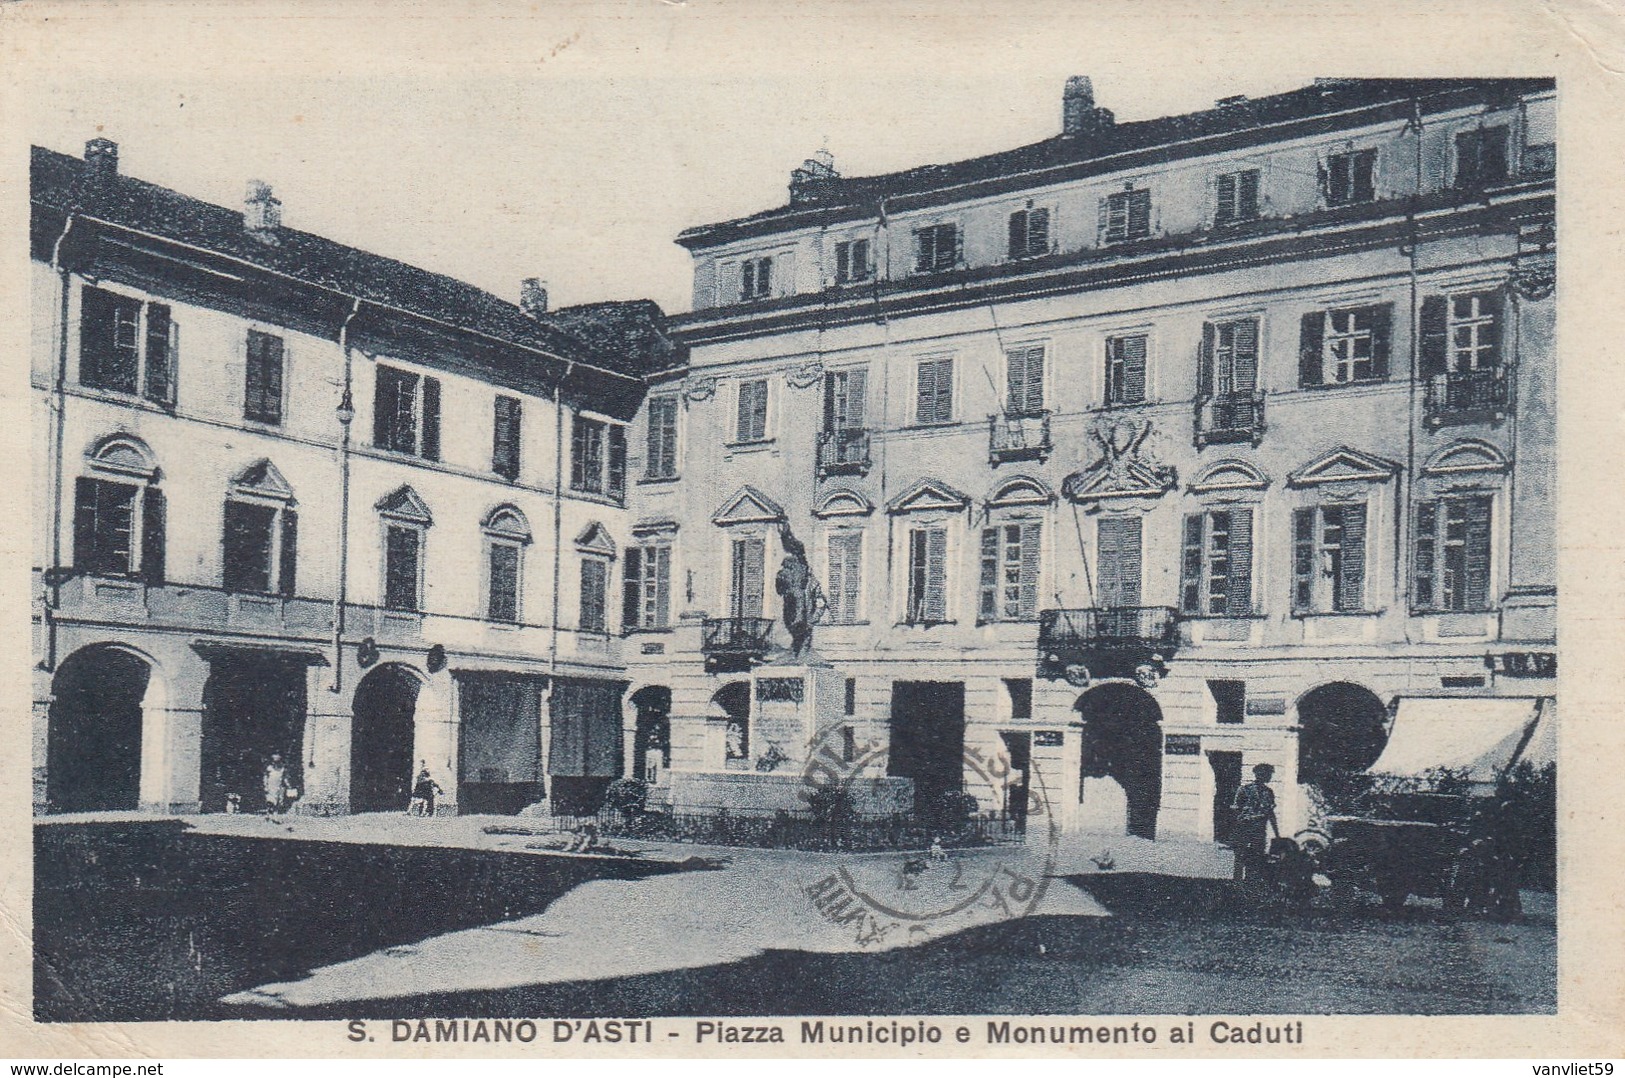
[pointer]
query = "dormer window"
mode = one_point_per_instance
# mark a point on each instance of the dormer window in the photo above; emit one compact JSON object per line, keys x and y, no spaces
{"x":1349,"y":178}
{"x":852,"y":261}
{"x":1481,"y":157}
{"x":756,"y":278}
{"x":936,"y":248}
{"x":1029,"y":233}
{"x":1125,"y":215}
{"x":1237,"y":197}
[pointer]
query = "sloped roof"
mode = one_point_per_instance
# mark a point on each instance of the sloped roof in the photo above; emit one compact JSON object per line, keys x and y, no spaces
{"x":1325,"y":97}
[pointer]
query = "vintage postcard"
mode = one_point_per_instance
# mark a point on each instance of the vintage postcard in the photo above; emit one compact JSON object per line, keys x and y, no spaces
{"x":649,"y":529}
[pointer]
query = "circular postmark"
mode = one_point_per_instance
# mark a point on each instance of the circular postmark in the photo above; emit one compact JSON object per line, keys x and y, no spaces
{"x":975,"y":851}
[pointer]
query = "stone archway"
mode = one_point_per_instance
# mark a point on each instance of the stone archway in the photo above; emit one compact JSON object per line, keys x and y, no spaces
{"x":381,"y":739}
{"x":1342,"y":730}
{"x":651,"y":745}
{"x":253,"y":706}
{"x":93,"y":740}
{"x":1122,"y":740}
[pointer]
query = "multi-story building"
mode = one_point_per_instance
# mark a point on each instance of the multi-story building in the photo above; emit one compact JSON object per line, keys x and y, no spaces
{"x":1133,"y":457}
{"x":292,"y":497}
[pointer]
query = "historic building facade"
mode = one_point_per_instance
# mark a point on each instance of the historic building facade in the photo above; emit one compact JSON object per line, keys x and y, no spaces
{"x":294,"y":498}
{"x":1128,"y":459}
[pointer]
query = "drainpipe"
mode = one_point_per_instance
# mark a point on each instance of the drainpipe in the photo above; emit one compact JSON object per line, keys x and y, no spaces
{"x":58,"y":436}
{"x":346,"y":416}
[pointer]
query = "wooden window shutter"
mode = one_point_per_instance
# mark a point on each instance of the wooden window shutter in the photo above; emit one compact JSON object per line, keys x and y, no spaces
{"x":852,"y":578}
{"x":668,"y":437}
{"x":152,"y":535}
{"x":617,"y":461}
{"x":916,"y":575}
{"x":1190,"y":565}
{"x":96,"y":314}
{"x":1103,"y":222}
{"x":1303,"y":560}
{"x":662,"y":591}
{"x":160,"y":355}
{"x":1246,"y":355}
{"x":988,"y":602}
{"x":1311,"y":349}
{"x":1426,"y":554}
{"x":1038,"y":232}
{"x":1031,"y":551}
{"x":632,"y":589}
{"x":592,"y":595}
{"x":383,"y":408}
{"x":1351,"y":580}
{"x":431,"y":419}
{"x":1382,"y":338}
{"x":1133,"y":358}
{"x":1247,"y":195}
{"x":84,"y":524}
{"x":748,"y":574}
{"x":290,"y":552}
{"x":836,"y":578}
{"x":579,"y":436}
{"x":1018,"y":234}
{"x":1492,"y":304}
{"x":1435,"y":335}
{"x":1204,"y":361}
{"x":1239,"y":589}
{"x":1478,"y":553}
{"x":936,"y":575}
{"x":1139,"y":213}
{"x":857,"y":395}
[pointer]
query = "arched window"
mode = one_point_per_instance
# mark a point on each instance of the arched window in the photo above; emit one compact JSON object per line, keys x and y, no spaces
{"x":507,"y":533}
{"x":118,"y":512}
{"x":261,"y":543}
{"x":597,"y":550}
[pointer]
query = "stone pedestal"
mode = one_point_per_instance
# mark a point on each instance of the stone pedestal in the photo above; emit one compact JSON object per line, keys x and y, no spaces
{"x":795,"y":706}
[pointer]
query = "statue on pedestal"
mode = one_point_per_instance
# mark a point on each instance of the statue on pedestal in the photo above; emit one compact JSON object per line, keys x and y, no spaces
{"x":801,"y":599}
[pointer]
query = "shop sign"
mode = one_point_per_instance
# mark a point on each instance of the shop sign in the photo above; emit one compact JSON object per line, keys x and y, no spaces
{"x":1523,"y":663}
{"x":1182,"y":745}
{"x":1046,"y":739}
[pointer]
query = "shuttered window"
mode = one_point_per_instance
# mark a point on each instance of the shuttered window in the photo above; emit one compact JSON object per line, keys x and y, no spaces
{"x":1029,"y":233}
{"x":251,"y":533}
{"x":1125,"y":215}
{"x":402,"y":558}
{"x":1216,"y":569}
{"x":1452,"y":554}
{"x":934,"y":392}
{"x":506,"y":425}
{"x":1347,"y":345}
{"x":1329,"y":559}
{"x":1024,"y":380}
{"x":745,"y":591}
{"x":1125,"y":369}
{"x":406,"y":413}
{"x":127,"y":346}
{"x":1461,"y":333}
{"x":1349,"y":178}
{"x":845,"y":393}
{"x":615,"y":477}
{"x":587,"y":455}
{"x":594,"y":592}
{"x":845,"y":577}
{"x":1009,"y":578}
{"x":263,"y":377}
{"x":1118,"y":561}
{"x":928,"y":576}
{"x":646,"y":587}
{"x":1237,"y":197}
{"x":751,"y":424}
{"x":660,"y":460}
{"x":502,"y":582}
{"x":852,"y":261}
{"x":104,"y":527}
{"x":1481,"y":157}
{"x":756,"y":278}
{"x":1229,"y":358}
{"x":936,"y":248}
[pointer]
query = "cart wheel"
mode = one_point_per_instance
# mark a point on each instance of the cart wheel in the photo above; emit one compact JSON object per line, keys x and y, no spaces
{"x":1313,"y":841}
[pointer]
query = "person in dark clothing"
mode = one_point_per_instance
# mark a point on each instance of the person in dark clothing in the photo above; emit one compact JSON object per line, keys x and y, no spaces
{"x":1255,"y":819}
{"x":423,"y":794}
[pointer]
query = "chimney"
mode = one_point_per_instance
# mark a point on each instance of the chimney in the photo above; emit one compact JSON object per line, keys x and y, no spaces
{"x":101,"y":159}
{"x":262,"y":212}
{"x":815,"y":180}
{"x":533,"y":296}
{"x":1079,"y":116}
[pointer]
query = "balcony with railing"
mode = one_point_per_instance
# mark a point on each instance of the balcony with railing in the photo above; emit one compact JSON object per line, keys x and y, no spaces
{"x":1106,"y":641}
{"x":1014,"y":436}
{"x":1230,"y":417}
{"x":734,"y":644}
{"x":843,"y":452}
{"x":1482,"y":395}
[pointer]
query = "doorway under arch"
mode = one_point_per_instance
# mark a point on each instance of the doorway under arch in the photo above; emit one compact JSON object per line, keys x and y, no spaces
{"x":381,"y":739}
{"x":651,"y":749}
{"x":1122,"y":740}
{"x":253,"y":706}
{"x":93,"y":737}
{"x":1342,"y":730}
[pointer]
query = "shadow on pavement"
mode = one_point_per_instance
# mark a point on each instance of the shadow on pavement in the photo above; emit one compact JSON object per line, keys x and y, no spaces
{"x":150,"y":921}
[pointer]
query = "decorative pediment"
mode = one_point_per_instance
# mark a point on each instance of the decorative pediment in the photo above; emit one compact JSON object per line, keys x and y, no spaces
{"x":1467,"y":457}
{"x":124,"y":454}
{"x":748,"y":506}
{"x":507,"y":521}
{"x":1229,"y":475}
{"x":1020,"y":490}
{"x":594,"y":539}
{"x":262,"y":479}
{"x":843,"y":502}
{"x":404,"y":504}
{"x":927,"y":495}
{"x":1344,"y":465}
{"x":1124,"y":466}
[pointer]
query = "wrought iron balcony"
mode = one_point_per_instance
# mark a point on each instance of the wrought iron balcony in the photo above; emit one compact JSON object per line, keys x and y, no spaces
{"x":1106,"y":641}
{"x":1018,"y":436}
{"x":1232,"y":417}
{"x":734,"y":643}
{"x":843,"y":452}
{"x":1476,"y":396}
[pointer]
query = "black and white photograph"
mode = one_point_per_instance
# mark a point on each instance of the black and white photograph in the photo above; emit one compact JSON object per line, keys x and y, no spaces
{"x":574,"y":529}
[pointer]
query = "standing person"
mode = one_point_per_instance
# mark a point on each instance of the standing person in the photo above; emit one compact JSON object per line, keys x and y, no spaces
{"x":1255,"y":818}
{"x":276,"y":785}
{"x":424,"y":791}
